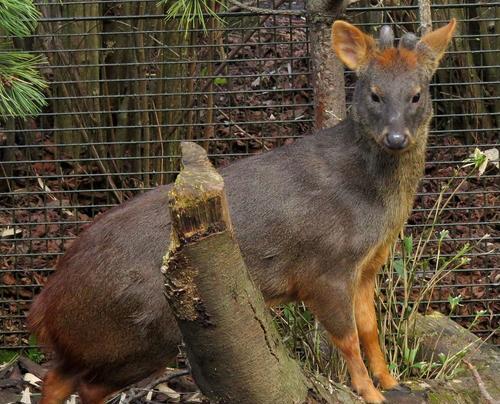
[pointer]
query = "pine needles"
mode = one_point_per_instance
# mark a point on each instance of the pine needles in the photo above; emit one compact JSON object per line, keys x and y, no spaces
{"x":18,"y":17}
{"x":192,"y":13}
{"x":21,"y":84}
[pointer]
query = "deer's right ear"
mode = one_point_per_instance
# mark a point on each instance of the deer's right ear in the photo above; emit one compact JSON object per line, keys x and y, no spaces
{"x":431,"y":47}
{"x":352,"y":46}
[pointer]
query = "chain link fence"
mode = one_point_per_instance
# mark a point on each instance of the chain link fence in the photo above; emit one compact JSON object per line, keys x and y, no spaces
{"x":126,"y":86}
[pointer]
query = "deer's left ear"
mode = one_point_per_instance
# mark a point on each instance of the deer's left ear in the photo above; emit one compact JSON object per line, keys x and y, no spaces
{"x":352,"y":46}
{"x":430,"y":49}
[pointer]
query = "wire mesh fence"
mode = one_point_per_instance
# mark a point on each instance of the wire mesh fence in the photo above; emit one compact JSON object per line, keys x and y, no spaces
{"x":126,"y":86}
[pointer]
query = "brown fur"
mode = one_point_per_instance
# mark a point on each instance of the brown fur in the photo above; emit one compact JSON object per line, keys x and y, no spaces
{"x":57,"y":387}
{"x":366,"y":319}
{"x":360,"y":380}
{"x":394,"y":58}
{"x":314,"y":221}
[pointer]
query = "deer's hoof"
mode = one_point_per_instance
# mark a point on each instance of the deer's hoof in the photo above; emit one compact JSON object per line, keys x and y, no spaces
{"x":402,"y":388}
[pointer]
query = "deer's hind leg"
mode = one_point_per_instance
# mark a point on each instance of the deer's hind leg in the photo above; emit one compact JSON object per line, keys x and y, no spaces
{"x":94,"y":394}
{"x":366,"y":319}
{"x":57,"y":386}
{"x":332,"y":301}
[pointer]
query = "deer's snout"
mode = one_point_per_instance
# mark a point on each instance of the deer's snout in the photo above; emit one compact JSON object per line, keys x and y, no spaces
{"x":396,"y":140}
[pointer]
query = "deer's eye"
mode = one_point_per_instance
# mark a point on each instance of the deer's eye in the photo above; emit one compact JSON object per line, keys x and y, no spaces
{"x":375,"y":97}
{"x":415,"y":98}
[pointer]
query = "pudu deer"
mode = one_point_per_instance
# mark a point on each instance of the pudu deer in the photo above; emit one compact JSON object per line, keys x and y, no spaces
{"x":314,"y":221}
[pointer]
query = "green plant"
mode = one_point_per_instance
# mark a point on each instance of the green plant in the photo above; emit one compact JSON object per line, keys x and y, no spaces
{"x":192,"y":13}
{"x":34,"y":353}
{"x":398,"y":303}
{"x":408,"y":271}
{"x":21,"y":85}
{"x":7,"y":357}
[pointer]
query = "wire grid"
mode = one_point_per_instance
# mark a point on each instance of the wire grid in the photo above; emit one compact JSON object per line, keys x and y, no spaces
{"x":127,"y":86}
{"x":124,"y":89}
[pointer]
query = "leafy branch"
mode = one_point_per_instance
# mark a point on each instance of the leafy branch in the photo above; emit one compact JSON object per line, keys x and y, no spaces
{"x":18,"y":17}
{"x":191,"y":12}
{"x":21,"y":85}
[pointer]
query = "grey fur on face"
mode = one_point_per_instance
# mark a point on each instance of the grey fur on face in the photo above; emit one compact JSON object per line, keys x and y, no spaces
{"x":386,"y":39}
{"x":408,"y":41}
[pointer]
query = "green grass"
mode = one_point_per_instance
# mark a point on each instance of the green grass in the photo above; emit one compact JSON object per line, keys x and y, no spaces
{"x":34,"y":353}
{"x":8,"y":356}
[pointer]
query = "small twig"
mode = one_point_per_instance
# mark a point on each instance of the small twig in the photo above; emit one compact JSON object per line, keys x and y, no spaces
{"x":243,"y":131}
{"x":480,"y":384}
{"x":162,"y":151}
{"x":150,"y":386}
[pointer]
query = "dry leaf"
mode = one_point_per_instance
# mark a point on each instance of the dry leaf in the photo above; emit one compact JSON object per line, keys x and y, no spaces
{"x":26,"y":396}
{"x":32,"y":379}
{"x":493,"y":156}
{"x":170,"y":393}
{"x":9,"y":232}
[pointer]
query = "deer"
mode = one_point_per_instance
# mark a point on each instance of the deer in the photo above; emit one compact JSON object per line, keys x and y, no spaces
{"x":315,"y":221}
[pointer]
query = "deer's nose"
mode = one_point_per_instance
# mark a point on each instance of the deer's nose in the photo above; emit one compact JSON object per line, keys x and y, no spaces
{"x":396,"y":140}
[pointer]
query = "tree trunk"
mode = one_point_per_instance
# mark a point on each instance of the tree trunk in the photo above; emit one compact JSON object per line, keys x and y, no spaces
{"x":328,"y":71}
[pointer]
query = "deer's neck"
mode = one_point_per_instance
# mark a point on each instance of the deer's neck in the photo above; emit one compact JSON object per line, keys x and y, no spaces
{"x":397,"y":177}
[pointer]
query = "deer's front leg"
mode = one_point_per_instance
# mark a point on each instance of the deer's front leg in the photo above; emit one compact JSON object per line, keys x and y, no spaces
{"x":366,"y":320}
{"x":332,"y":301}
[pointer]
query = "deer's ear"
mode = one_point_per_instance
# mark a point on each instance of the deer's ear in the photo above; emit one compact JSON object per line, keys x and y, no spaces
{"x":352,"y":46}
{"x":431,"y":47}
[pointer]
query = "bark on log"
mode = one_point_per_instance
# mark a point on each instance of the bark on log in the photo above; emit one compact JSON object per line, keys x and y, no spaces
{"x":234,"y":350}
{"x":439,"y":334}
